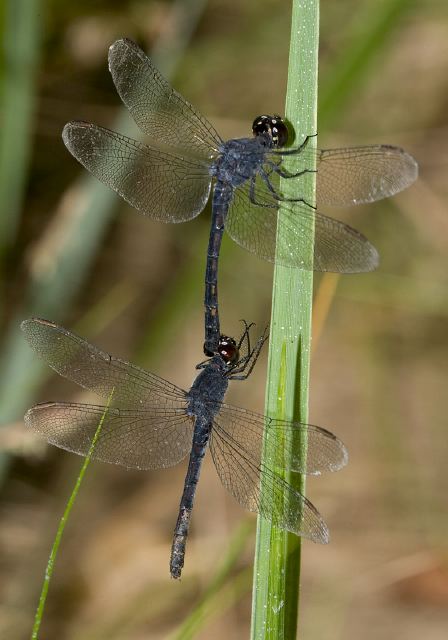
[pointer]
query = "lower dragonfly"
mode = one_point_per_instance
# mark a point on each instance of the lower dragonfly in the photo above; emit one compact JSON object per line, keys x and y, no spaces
{"x":153,"y":424}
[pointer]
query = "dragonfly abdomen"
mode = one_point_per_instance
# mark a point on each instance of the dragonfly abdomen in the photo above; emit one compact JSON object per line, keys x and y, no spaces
{"x":201,"y":437}
{"x":222,"y":195}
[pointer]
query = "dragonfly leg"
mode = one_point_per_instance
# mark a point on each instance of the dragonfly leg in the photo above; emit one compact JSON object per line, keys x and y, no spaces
{"x":245,"y":335}
{"x":279,"y":198}
{"x":253,"y":200}
{"x":286,"y":174}
{"x":295,"y":150}
{"x":244,"y":367}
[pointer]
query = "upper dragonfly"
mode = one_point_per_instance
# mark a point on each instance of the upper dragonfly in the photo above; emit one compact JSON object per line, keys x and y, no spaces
{"x":171,"y":178}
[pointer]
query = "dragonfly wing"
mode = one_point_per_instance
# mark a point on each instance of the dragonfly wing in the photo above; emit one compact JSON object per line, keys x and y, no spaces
{"x":258,"y":488}
{"x":363,"y":174}
{"x":160,"y":112}
{"x":162,"y":186}
{"x":354,"y":175}
{"x":337,"y":246}
{"x":149,"y":439}
{"x":304,"y":448}
{"x":83,"y":363}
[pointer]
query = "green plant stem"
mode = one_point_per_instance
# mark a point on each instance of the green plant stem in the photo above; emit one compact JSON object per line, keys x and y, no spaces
{"x":59,"y":533}
{"x":277,"y":559}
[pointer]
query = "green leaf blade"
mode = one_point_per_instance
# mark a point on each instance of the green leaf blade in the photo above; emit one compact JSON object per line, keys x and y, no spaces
{"x":278,"y":553}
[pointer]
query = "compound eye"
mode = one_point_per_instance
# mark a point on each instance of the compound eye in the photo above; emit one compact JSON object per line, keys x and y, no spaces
{"x":261,"y":125}
{"x":273,"y":127}
{"x":279,"y":132}
{"x":227,"y":349}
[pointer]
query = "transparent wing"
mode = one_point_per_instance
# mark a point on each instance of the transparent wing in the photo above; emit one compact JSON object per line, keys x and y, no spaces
{"x":160,"y":112}
{"x":258,"y":488}
{"x":356,"y":175}
{"x":160,"y":185}
{"x":304,"y":448}
{"x":151,"y":439}
{"x":363,"y":174}
{"x":337,"y":247}
{"x":91,"y":368}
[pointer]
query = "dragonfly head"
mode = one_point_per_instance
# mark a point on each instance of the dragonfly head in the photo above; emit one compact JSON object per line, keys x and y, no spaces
{"x":228,"y":350}
{"x":271,"y":127}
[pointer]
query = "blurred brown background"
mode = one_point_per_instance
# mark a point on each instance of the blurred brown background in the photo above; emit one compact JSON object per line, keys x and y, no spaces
{"x":71,"y":251}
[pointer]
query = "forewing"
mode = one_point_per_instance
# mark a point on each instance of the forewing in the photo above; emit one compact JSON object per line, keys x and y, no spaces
{"x":160,"y":112}
{"x":162,"y":186}
{"x":337,"y":246}
{"x":363,"y":174}
{"x":296,"y":446}
{"x":258,"y":488}
{"x":149,"y":439}
{"x":355,"y":175}
{"x":88,"y":366}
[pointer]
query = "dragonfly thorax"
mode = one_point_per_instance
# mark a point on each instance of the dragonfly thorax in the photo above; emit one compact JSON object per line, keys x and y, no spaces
{"x":240,"y":159}
{"x":208,"y":389}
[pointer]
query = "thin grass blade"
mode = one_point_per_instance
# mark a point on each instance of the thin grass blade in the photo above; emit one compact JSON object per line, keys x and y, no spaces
{"x":60,"y":531}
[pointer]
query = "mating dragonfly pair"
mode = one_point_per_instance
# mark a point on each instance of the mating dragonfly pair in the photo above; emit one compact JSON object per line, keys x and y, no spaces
{"x":152,"y":423}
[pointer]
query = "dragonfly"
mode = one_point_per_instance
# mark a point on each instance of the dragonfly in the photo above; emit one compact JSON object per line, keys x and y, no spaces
{"x":153,"y":424}
{"x":170,"y":179}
